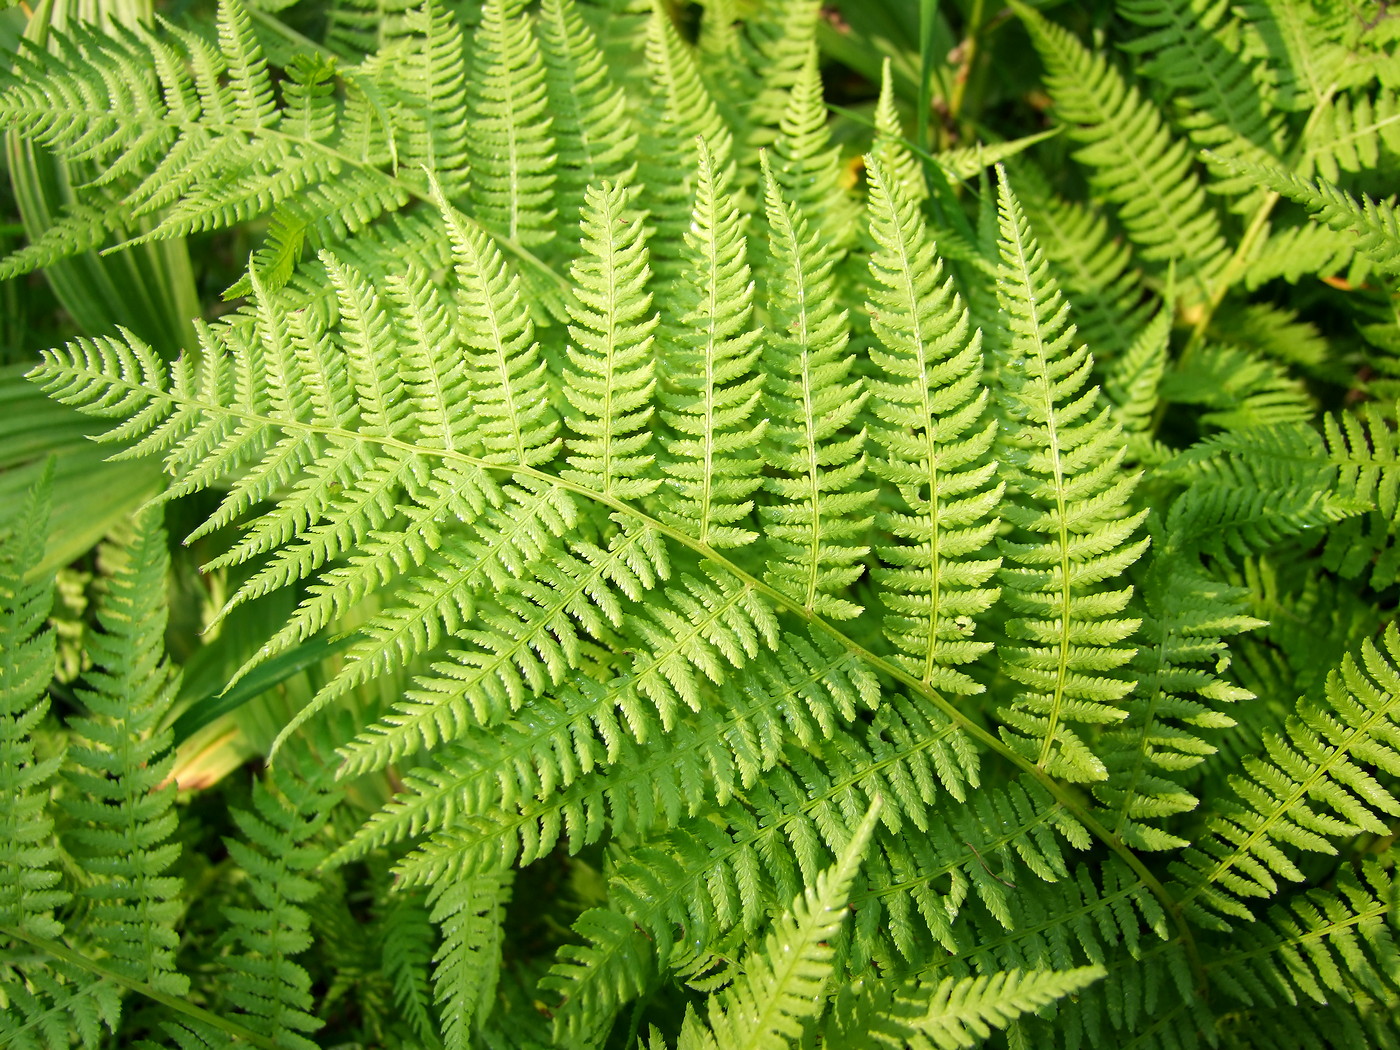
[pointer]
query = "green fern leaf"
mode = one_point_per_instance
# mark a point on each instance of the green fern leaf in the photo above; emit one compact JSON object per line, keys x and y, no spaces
{"x":509,"y":145}
{"x":1372,"y":224}
{"x":119,"y":767}
{"x":712,"y":387}
{"x":29,"y":890}
{"x":956,"y":1013}
{"x":593,"y":134}
{"x":781,"y":989}
{"x":1070,"y":509}
{"x":469,"y":912}
{"x":1131,"y":156}
{"x":610,"y":378}
{"x":1316,"y":783}
{"x":815,"y":524}
{"x":935,"y":432}
{"x":271,"y":991}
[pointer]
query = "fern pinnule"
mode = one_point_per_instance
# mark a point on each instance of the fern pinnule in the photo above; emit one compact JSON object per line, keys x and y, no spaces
{"x":1069,"y":505}
{"x":1134,"y":163}
{"x":610,"y":376}
{"x":509,"y":145}
{"x":594,"y":137}
{"x":935,"y":432}
{"x":817,"y":518}
{"x":711,"y":386}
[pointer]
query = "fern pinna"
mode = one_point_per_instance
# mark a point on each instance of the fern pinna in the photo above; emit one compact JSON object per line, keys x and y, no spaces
{"x":727,"y":588}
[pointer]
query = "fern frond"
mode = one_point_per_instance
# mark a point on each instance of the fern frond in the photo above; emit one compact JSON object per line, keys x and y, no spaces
{"x":610,"y":378}
{"x":712,"y":388}
{"x":780,"y":990}
{"x":517,"y":418}
{"x":956,"y":1013}
{"x":677,"y":111}
{"x":1240,"y":390}
{"x":778,"y":40}
{"x":1192,"y":47}
{"x":29,"y":890}
{"x":278,"y":853}
{"x":1069,"y":505}
{"x":1093,"y":267}
{"x":818,"y":515}
{"x":1304,"y":49}
{"x":1317,"y":782}
{"x":935,"y":432}
{"x":1134,"y":163}
{"x":509,"y":144}
{"x":806,"y":163}
{"x":1134,"y":381}
{"x":438,"y":135}
{"x":1372,"y":225}
{"x":889,"y":146}
{"x":1362,"y":446}
{"x":119,"y":764}
{"x":470,"y":913}
{"x":407,"y":953}
{"x":594,"y":137}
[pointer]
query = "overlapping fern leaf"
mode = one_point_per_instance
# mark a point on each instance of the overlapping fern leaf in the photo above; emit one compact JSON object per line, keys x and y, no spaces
{"x":935,"y":433}
{"x":1134,"y":162}
{"x":1074,"y":527}
{"x":1321,"y":779}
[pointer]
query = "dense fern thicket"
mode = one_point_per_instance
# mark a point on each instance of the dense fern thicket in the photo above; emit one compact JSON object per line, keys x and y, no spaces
{"x":739,"y":524}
